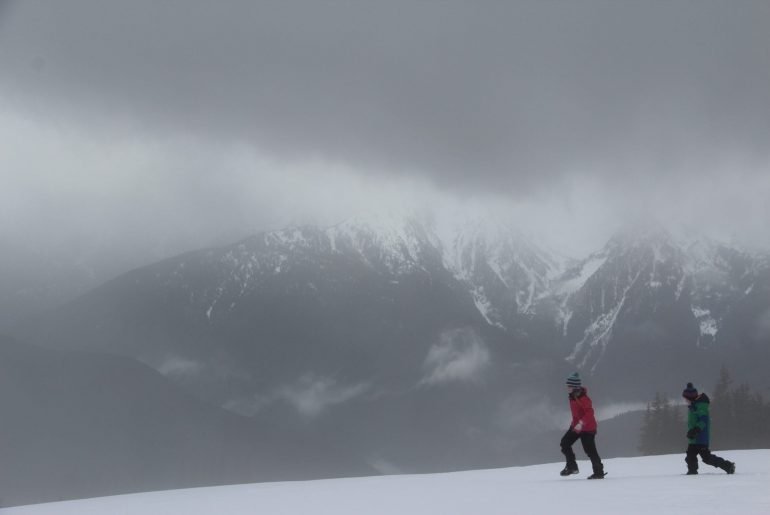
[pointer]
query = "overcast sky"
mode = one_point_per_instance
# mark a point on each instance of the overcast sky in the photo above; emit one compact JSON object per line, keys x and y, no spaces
{"x":150,"y":127}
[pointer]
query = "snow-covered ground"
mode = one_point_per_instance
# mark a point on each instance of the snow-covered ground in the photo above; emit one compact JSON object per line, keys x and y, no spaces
{"x":634,"y":485}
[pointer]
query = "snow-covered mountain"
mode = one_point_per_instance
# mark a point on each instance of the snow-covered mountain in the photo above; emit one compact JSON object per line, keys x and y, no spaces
{"x":648,"y":299}
{"x":506,"y":274}
{"x":646,"y":293}
{"x":425,"y":347}
{"x":364,"y":331}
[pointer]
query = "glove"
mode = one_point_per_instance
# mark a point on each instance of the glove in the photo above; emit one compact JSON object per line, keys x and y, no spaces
{"x":693,"y":432}
{"x":578,"y":427}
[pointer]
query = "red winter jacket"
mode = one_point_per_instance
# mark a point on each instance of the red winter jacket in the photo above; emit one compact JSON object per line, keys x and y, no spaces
{"x":582,"y":411}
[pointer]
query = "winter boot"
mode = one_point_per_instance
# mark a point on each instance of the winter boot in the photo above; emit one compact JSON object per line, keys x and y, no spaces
{"x":569,"y":470}
{"x":729,"y":467}
{"x":692,"y":473}
{"x":597,"y":475}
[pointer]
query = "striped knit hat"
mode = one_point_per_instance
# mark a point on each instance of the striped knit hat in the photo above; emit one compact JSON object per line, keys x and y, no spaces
{"x":573,"y":381}
{"x":690,"y":392}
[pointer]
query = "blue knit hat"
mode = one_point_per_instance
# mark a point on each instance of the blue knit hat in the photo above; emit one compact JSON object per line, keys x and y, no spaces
{"x":573,"y":381}
{"x":690,"y":392}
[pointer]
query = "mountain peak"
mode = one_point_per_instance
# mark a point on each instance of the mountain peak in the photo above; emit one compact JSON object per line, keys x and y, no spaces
{"x":640,"y":233}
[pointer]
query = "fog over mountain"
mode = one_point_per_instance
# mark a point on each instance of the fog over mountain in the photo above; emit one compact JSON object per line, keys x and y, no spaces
{"x":393,"y":227}
{"x":419,"y":349}
{"x":85,"y":425}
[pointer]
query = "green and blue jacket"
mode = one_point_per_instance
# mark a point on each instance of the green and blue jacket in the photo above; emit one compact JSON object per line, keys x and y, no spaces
{"x":698,"y":418}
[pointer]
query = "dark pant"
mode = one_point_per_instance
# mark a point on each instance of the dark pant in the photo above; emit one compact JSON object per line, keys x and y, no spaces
{"x":694,"y":450}
{"x":589,"y":446}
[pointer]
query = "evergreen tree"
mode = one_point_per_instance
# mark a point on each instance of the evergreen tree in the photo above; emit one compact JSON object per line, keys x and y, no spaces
{"x":661,"y":428}
{"x":739,"y":420}
{"x":649,"y":429}
{"x":739,"y":417}
{"x":722,"y":410}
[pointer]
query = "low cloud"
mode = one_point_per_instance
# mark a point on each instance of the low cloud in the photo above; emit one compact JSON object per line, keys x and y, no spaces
{"x":460,"y":356}
{"x":530,"y":413}
{"x":249,"y":406}
{"x":179,"y":366}
{"x":312,"y":394}
{"x":614,"y":410}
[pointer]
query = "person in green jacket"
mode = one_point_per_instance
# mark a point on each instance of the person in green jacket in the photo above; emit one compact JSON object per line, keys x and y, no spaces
{"x":698,"y":433}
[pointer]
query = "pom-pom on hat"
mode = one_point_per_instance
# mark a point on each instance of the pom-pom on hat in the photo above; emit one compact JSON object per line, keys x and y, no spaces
{"x":573,"y":381}
{"x":690,"y":392}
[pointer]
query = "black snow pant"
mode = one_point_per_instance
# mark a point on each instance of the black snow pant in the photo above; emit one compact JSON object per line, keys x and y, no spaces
{"x":589,"y":446}
{"x":694,"y":450}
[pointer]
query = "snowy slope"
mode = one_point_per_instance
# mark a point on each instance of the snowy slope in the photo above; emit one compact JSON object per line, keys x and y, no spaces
{"x":503,"y":270}
{"x":646,"y":485}
{"x":647,"y":288}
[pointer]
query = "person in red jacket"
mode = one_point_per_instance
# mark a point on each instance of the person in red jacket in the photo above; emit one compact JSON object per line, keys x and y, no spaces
{"x":583,"y":428}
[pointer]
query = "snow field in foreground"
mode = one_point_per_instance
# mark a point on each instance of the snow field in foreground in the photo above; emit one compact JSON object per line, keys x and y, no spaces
{"x":646,"y":485}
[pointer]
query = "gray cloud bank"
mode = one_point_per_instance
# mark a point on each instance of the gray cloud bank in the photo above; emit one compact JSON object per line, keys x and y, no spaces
{"x":474,"y":95}
{"x":177,"y":124}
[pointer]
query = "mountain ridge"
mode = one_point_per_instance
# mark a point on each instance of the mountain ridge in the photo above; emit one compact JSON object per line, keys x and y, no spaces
{"x":423,"y":348}
{"x":515,"y":286}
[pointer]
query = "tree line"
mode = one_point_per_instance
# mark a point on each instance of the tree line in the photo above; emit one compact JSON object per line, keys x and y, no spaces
{"x":739,"y":420}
